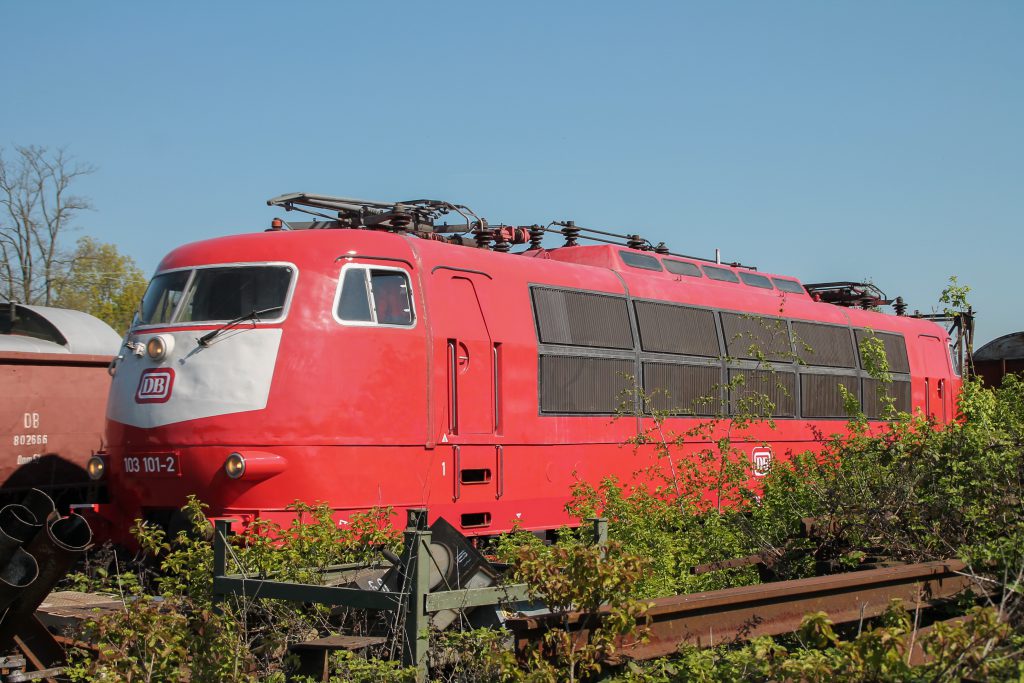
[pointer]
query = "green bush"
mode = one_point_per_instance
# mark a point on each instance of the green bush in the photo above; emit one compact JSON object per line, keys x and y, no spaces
{"x":907,"y":489}
{"x":170,"y":624}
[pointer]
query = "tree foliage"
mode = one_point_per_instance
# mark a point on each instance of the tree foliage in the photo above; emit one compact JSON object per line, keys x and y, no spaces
{"x":102,"y":282}
{"x":580,"y":577}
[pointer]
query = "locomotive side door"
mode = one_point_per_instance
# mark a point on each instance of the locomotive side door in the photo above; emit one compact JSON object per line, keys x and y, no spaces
{"x":469,"y":354}
{"x":936,"y":378}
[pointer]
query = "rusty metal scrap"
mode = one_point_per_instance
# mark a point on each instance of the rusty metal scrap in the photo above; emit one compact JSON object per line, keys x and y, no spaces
{"x":736,"y":614}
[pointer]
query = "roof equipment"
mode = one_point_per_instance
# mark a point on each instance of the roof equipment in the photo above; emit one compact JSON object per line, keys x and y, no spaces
{"x":419,"y":217}
{"x":849,"y":294}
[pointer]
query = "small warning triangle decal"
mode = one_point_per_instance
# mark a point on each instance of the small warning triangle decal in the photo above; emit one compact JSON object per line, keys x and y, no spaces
{"x":444,"y":438}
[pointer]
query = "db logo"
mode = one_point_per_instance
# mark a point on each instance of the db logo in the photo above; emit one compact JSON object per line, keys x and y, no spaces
{"x":761,"y":458}
{"x":155,"y":385}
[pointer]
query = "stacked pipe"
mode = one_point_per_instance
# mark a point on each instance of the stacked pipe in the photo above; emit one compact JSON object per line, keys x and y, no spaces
{"x":37,"y":548}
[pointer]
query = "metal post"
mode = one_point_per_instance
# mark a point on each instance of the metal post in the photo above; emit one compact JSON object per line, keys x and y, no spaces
{"x":600,"y":530}
{"x":417,"y":622}
{"x":221,"y":529}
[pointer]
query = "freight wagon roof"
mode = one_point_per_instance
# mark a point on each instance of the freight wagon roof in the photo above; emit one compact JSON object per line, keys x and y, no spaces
{"x":1008,"y":347}
{"x":44,"y":329}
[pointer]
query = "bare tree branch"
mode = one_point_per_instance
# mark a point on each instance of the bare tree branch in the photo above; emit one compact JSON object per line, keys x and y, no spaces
{"x":36,"y":208}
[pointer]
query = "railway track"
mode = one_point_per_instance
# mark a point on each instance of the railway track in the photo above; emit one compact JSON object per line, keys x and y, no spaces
{"x":736,"y":614}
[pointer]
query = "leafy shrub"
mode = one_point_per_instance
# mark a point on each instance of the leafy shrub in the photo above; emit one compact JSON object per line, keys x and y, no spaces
{"x":908,"y":489}
{"x":170,"y":624}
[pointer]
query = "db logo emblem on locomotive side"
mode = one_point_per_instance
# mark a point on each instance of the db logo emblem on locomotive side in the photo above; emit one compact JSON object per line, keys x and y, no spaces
{"x":761,"y":460}
{"x":155,"y":385}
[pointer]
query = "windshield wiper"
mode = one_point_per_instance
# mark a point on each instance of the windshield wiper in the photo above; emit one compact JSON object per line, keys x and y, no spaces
{"x":253,"y":315}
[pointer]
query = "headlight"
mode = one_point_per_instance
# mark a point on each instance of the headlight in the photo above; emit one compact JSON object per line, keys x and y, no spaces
{"x":96,"y":467}
{"x":159,"y":346}
{"x":234,"y":466}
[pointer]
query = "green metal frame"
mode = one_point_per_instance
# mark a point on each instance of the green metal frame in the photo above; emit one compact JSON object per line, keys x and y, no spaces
{"x":418,"y":604}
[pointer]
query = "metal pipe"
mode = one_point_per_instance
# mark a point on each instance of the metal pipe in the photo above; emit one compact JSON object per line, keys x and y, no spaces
{"x":21,"y":570}
{"x":453,"y":389}
{"x":594,"y":230}
{"x":40,"y":505}
{"x":54,"y":550}
{"x":15,"y":530}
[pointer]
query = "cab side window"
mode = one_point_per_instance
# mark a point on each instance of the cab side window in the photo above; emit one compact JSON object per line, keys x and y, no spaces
{"x":375,"y":296}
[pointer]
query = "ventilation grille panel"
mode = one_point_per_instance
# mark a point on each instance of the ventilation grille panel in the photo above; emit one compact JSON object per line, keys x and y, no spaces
{"x":897,"y":389}
{"x":768,"y":336}
{"x":824,"y":345}
{"x":571,"y":384}
{"x":582,"y":319}
{"x":665,"y":328}
{"x":684,"y":389}
{"x":758,"y":389}
{"x":820,"y":395}
{"x":895,"y":349}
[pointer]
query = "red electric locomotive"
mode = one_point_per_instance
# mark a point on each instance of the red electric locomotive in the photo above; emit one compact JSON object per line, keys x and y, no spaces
{"x":378,"y":364}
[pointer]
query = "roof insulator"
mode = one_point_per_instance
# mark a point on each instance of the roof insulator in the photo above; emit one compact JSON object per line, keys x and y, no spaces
{"x":482,"y":237}
{"x":571,"y":232}
{"x":536,"y":237}
{"x":662,"y":248}
{"x":635,"y":241}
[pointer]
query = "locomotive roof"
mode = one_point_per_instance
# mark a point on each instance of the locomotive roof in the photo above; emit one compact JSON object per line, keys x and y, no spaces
{"x":419,"y":217}
{"x":600,"y":255}
{"x":306,"y":246}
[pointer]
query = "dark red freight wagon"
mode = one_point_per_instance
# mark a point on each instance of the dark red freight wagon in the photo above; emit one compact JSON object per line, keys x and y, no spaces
{"x":1000,"y":357}
{"x":53,"y":390}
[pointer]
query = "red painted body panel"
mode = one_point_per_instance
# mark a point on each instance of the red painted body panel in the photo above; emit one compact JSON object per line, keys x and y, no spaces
{"x":364,"y":415}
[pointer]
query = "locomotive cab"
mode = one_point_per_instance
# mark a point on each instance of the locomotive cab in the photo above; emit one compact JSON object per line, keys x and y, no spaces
{"x":242,"y":377}
{"x":205,"y":344}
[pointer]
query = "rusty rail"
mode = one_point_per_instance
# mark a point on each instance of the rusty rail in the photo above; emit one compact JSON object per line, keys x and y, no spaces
{"x":736,"y":614}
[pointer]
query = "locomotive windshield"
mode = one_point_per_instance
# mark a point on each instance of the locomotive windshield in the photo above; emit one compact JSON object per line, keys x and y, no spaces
{"x":162,"y":297}
{"x":216,"y":294}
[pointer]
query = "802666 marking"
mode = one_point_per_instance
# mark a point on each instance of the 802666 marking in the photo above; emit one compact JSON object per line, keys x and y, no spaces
{"x":30,"y":439}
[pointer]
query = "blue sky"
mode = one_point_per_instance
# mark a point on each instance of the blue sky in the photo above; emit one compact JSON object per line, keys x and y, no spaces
{"x":836,"y":140}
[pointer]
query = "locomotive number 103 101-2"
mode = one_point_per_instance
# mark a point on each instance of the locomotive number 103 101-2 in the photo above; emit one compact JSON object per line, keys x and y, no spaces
{"x":164,"y":464}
